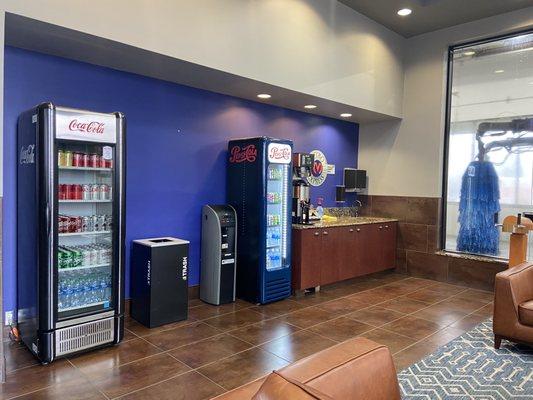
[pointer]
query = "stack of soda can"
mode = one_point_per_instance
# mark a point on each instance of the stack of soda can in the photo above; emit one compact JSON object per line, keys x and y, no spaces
{"x":84,"y":255}
{"x":273,"y":219}
{"x":68,"y":158}
{"x":88,"y":223}
{"x":84,"y":191}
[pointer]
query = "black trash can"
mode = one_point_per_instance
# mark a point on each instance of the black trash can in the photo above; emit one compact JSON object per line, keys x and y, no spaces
{"x":159,"y":280}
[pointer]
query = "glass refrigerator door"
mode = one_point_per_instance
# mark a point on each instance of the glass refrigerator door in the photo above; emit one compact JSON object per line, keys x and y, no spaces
{"x":85,"y":228}
{"x":277,"y":221}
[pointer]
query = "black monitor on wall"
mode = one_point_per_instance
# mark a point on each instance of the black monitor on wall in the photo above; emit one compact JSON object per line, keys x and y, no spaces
{"x":354,"y":179}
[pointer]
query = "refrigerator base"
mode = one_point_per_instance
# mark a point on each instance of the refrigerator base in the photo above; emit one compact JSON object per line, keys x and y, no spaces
{"x":77,"y":339}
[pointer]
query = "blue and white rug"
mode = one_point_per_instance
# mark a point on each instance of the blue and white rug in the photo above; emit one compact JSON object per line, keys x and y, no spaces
{"x":470,"y":368}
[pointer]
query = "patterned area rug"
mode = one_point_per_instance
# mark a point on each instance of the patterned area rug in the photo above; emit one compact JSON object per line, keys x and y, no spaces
{"x":470,"y":368}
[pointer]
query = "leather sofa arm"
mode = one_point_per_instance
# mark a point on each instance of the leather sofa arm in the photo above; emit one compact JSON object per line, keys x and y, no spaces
{"x":355,"y":369}
{"x":520,"y":280}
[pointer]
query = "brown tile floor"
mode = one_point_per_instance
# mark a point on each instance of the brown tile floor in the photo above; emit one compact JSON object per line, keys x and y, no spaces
{"x":220,"y":348}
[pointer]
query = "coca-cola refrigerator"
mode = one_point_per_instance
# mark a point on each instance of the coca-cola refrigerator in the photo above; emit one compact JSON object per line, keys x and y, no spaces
{"x":70,"y":230}
{"x":259,"y":177}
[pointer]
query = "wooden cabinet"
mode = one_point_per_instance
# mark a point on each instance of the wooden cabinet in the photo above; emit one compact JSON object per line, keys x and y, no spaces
{"x":327,"y":255}
{"x":331,"y":258}
{"x":307,"y":250}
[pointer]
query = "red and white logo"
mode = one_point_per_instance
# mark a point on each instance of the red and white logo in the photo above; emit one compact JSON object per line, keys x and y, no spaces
{"x":88,"y":127}
{"x":279,"y":153}
{"x":246,"y":154}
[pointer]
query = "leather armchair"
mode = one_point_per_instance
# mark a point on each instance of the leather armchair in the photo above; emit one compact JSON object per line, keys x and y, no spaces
{"x":513,"y":305}
{"x":355,"y":369}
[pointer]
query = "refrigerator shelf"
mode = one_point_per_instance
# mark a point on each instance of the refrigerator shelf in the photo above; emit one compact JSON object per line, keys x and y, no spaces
{"x":85,"y":201}
{"x":83,"y":306}
{"x":86,"y":169}
{"x":84,"y":267}
{"x":92,"y":233}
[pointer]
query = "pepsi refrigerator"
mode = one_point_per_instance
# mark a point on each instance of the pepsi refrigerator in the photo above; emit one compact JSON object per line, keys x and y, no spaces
{"x":259,"y":188}
{"x":70,"y":230}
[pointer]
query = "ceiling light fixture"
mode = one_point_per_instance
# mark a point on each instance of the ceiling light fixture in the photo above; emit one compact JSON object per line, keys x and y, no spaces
{"x":469,"y":53}
{"x":264,"y":96}
{"x":310,"y":106}
{"x":499,"y":71}
{"x":346,"y":115}
{"x":404,"y":12}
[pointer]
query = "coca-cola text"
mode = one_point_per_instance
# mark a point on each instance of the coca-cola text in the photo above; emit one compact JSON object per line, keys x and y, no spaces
{"x":89,"y":127}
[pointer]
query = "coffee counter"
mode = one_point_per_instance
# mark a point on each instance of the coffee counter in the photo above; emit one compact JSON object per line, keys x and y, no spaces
{"x":335,"y":250}
{"x":344,"y":221}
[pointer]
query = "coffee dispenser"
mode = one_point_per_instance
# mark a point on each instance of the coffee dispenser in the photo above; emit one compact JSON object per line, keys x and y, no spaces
{"x":301,"y":170}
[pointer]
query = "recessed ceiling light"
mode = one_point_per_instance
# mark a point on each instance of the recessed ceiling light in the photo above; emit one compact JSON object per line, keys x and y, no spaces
{"x":346,"y":115}
{"x":469,"y":53}
{"x":264,"y":96}
{"x":499,"y":71}
{"x":310,"y":106}
{"x":404,"y":12}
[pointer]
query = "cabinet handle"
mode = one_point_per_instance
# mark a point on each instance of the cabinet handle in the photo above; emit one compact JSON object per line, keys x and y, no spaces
{"x":351,"y":230}
{"x":386,"y":226}
{"x":380,"y":227}
{"x":358,"y":230}
{"x":316,"y":233}
{"x":326,"y":232}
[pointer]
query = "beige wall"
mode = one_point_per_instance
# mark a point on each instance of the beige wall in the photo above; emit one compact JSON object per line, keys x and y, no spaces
{"x":406,"y":159}
{"x":317,"y":47}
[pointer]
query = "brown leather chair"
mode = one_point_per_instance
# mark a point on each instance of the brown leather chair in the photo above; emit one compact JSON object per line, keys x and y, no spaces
{"x":513,"y":305}
{"x":355,"y":369}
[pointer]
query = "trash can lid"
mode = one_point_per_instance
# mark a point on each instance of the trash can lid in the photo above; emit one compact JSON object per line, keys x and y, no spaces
{"x":161,"y":241}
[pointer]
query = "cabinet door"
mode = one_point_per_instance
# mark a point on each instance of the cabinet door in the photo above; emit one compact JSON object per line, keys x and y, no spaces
{"x":389,"y":245}
{"x":311,"y":254}
{"x":369,"y":248}
{"x":331,"y":258}
{"x":349,"y":261}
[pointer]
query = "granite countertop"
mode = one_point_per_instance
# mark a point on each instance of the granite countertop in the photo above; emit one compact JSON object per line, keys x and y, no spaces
{"x":345,"y":221}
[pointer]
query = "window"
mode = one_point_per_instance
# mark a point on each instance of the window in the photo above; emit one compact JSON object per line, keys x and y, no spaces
{"x":489,"y":150}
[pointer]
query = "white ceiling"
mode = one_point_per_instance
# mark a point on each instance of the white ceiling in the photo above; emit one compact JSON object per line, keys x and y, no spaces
{"x":431,"y":15}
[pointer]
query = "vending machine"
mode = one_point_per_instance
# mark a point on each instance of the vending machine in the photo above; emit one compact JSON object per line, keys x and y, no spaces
{"x":259,"y":178}
{"x":70,"y":230}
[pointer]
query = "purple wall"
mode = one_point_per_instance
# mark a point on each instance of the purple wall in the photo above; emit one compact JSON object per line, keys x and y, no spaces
{"x":176,"y":143}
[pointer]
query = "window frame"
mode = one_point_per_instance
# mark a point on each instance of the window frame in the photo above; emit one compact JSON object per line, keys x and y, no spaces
{"x":447,"y":125}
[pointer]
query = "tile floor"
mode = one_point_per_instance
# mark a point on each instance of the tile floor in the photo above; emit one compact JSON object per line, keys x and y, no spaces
{"x":220,"y":348}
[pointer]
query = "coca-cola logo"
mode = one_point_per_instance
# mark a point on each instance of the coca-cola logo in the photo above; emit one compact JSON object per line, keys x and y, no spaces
{"x":27,"y":154}
{"x":88,"y":127}
{"x":245,"y":154}
{"x":280,"y":153}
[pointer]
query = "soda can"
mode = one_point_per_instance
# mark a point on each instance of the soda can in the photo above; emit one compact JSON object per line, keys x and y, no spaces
{"x":85,"y":224}
{"x":76,"y":159}
{"x":95,"y":192}
{"x":104,"y":192}
{"x":61,"y":158}
{"x":102,"y":162}
{"x":79,"y":224}
{"x":94,"y":160}
{"x":93,"y":253}
{"x":101,"y":255}
{"x":108,"y":163}
{"x":84,"y":160}
{"x":61,"y":259}
{"x":109,"y":222}
{"x":86,"y":192}
{"x":78,"y":192}
{"x":68,"y":158}
{"x":86,"y":256}
{"x":102,"y":222}
{"x":95,"y":223}
{"x":61,"y":194}
{"x":66,"y":190}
